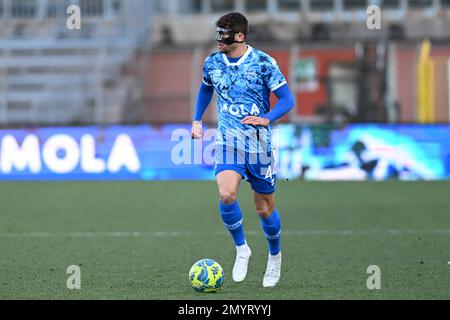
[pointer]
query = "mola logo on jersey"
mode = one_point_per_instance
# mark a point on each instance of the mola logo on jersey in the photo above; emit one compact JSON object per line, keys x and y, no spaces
{"x":239,"y":110}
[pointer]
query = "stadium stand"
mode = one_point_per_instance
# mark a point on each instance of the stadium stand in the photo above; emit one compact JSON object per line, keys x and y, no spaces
{"x":288,"y":20}
{"x":53,"y":75}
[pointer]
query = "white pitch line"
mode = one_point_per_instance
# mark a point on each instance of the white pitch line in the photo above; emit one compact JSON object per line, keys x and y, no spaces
{"x":98,"y":234}
{"x":137,"y":234}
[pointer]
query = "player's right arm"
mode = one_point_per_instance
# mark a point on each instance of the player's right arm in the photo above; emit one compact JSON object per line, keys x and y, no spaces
{"x":203,"y":99}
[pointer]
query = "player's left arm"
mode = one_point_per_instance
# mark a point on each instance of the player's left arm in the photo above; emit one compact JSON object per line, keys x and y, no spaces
{"x":284,"y":105}
{"x":276,"y":82}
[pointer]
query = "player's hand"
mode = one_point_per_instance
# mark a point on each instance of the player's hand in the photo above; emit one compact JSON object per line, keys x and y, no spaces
{"x":256,"y":121}
{"x":196,"y":132}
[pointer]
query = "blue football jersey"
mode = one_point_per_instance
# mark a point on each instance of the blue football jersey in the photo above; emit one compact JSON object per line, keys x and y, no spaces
{"x":243,"y":89}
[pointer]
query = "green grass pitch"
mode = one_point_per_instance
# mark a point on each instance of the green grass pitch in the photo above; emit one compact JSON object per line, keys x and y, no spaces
{"x":138,"y":240}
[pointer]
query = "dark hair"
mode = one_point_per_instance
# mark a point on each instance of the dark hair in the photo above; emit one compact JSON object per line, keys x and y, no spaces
{"x":235,"y":21}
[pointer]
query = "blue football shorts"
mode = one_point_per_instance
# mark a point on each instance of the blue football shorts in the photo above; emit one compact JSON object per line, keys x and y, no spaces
{"x":256,"y":168}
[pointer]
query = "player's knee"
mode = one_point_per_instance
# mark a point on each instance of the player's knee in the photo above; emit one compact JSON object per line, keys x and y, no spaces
{"x":264,"y":210}
{"x":227,"y":197}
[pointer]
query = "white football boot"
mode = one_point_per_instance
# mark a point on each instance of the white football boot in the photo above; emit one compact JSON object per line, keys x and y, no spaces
{"x":243,"y":254}
{"x":273,"y":271}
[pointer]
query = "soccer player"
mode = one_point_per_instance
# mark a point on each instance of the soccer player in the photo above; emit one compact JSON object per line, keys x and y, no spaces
{"x":243,"y":78}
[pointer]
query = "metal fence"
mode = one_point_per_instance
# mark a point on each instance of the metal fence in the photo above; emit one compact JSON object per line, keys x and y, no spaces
{"x":280,"y":6}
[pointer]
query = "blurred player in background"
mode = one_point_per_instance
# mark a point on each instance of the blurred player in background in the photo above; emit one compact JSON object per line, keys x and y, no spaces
{"x":243,"y":78}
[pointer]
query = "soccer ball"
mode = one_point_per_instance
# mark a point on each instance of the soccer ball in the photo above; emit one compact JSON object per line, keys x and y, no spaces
{"x":206,"y":276}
